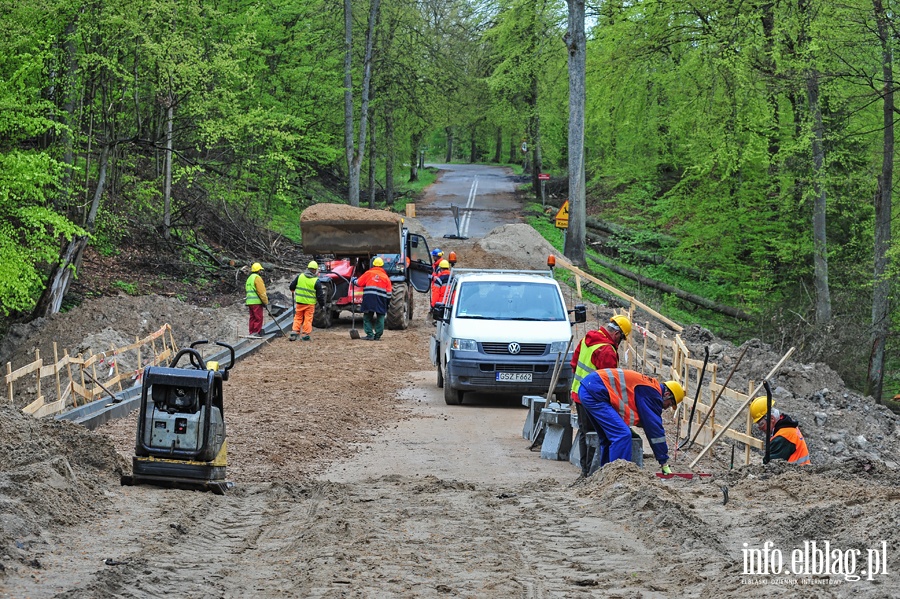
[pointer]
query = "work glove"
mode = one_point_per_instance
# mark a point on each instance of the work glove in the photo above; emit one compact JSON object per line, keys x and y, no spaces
{"x":666,"y":469}
{"x":353,"y":280}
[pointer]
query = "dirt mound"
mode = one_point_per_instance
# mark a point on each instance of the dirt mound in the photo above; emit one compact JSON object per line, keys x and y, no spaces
{"x":837,"y":422}
{"x":97,"y":325}
{"x":520,"y":244}
{"x":343,"y":212}
{"x":51,"y":473}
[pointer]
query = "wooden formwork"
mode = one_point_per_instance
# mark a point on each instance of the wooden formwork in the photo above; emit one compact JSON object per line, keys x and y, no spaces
{"x":76,"y":378}
{"x":667,"y":358}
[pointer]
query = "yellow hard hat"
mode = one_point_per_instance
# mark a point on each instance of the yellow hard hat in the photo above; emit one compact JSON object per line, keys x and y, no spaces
{"x":623,"y":323}
{"x":256,"y":267}
{"x":313,"y":265}
{"x":758,"y":408}
{"x":377,"y":261}
{"x":444,"y":264}
{"x":676,"y":389}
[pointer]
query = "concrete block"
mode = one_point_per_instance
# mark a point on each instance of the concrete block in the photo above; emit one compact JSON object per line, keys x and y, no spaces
{"x":535,"y":404}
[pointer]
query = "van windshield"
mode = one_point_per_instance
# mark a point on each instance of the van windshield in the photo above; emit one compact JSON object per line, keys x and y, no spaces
{"x":492,"y":300}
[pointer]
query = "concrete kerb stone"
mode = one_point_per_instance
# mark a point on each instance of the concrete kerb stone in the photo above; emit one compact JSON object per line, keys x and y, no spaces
{"x":534,"y":403}
{"x":557,"y":420}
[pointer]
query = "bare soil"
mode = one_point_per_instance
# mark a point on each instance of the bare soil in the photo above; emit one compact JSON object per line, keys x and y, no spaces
{"x":354,"y":479}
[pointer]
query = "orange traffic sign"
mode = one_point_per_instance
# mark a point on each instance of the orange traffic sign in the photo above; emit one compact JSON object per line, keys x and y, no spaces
{"x":562,"y":217}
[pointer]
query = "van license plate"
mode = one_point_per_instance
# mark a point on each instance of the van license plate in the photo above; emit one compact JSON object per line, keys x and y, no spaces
{"x":514,"y":377}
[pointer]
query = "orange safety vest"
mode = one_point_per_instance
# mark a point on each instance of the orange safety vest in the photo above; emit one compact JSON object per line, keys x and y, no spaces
{"x":620,"y":384}
{"x":801,"y":451}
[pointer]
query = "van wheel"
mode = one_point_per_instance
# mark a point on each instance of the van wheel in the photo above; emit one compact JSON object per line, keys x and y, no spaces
{"x":452,"y":397}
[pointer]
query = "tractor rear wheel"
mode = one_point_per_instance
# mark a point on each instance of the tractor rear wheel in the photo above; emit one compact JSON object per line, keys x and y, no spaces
{"x":399,"y":308}
{"x":324,"y":316}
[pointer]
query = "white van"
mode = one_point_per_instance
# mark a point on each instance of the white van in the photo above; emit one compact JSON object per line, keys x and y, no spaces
{"x":503,"y":331}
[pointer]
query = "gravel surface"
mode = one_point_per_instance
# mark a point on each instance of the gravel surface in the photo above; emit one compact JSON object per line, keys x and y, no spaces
{"x":353,"y":479}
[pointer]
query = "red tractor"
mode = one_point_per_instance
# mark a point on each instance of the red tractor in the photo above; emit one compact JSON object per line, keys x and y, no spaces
{"x":344,"y":239}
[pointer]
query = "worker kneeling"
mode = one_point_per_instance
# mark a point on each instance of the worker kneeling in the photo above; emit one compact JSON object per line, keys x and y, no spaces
{"x":617,"y":399}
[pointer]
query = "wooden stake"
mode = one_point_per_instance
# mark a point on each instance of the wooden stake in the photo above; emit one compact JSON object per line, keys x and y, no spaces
{"x":116,"y":366}
{"x":83,"y":384}
{"x":95,"y":390}
{"x":71,"y":380}
{"x":741,"y":409}
{"x":9,"y":378}
{"x":56,"y":371}
{"x":37,"y":358}
{"x":140,"y":364}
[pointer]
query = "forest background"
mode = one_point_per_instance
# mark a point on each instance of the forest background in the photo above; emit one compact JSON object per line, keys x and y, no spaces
{"x":739,"y":152}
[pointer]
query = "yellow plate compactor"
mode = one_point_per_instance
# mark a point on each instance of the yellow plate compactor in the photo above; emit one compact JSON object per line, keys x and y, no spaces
{"x":181,"y":426}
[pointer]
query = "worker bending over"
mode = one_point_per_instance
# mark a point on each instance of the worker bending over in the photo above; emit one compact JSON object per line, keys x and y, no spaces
{"x":787,"y":440}
{"x":617,"y":399}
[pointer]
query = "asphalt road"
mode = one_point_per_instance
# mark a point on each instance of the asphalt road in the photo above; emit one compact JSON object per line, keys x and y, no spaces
{"x":484,"y":195}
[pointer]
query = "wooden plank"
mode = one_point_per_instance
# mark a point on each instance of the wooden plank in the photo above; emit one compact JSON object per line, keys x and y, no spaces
{"x":50,"y":408}
{"x":728,"y":392}
{"x":22,"y":371}
{"x":81,"y":390}
{"x":34,"y":406}
{"x":574,"y":269}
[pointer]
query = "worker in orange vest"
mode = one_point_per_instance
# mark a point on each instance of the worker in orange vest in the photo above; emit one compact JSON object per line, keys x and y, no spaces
{"x":439,"y":283}
{"x":599,"y":349}
{"x":618,"y":399}
{"x":377,"y":291}
{"x":787,"y":440}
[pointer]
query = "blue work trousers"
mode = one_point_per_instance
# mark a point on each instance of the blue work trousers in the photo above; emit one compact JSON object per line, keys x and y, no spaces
{"x":611,"y":429}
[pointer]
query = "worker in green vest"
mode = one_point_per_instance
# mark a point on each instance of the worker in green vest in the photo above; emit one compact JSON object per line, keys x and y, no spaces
{"x":599,"y":349}
{"x":306,"y":288}
{"x":256,"y":298}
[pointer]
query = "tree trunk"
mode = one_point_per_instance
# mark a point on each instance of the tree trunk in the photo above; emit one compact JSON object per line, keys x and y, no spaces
{"x":389,"y":155}
{"x":372,"y":159}
{"x":415,"y":140}
{"x":449,"y":157}
{"x":881,"y":304}
{"x":70,"y":257}
{"x":536,"y":158}
{"x":352,"y":193}
{"x":364,"y":100}
{"x":575,"y":42}
{"x":498,"y":144}
{"x":820,"y":252}
{"x":473,"y":149}
{"x":167,"y":194}
{"x":689,"y":297}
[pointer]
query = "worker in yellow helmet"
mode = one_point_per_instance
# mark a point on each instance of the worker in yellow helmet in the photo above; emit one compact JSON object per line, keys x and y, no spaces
{"x":307,"y":289}
{"x":377,"y":291}
{"x":599,"y":349}
{"x":440,"y":281}
{"x":255,"y":298}
{"x":617,"y":399}
{"x":787,"y":440}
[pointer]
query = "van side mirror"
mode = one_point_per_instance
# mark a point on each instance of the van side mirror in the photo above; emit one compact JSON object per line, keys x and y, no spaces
{"x":437,"y":312}
{"x":580,"y":313}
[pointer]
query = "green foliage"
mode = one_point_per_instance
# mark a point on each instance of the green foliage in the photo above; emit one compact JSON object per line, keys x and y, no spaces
{"x":129,"y":288}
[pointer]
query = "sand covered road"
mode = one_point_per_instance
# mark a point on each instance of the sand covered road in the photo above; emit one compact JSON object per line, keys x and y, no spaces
{"x":354,"y":479}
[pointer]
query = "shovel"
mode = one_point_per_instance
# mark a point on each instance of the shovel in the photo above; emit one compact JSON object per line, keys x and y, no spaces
{"x":687,"y":438}
{"x":272,"y":316}
{"x":354,"y":334}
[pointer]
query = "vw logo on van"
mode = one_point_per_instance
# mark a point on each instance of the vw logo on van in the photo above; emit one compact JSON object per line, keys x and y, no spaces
{"x":514,"y":348}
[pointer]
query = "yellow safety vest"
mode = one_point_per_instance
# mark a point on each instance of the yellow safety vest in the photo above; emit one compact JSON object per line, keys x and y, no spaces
{"x":250,"y":288}
{"x":305,"y":292}
{"x":584,"y":366}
